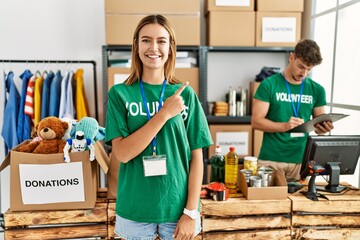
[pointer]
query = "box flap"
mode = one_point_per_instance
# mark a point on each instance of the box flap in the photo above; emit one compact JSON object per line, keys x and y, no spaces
{"x":6,"y":162}
{"x":102,"y":157}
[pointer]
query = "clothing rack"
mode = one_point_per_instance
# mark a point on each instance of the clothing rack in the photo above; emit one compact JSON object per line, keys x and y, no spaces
{"x":64,"y":61}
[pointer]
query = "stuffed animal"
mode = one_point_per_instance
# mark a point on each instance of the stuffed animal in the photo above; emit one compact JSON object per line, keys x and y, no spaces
{"x":49,"y":131}
{"x":84,"y":134}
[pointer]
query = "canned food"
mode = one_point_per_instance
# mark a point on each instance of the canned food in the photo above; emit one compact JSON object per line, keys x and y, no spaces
{"x":250,"y":163}
{"x":247,"y":174}
{"x":270,"y":174}
{"x":255,"y":181}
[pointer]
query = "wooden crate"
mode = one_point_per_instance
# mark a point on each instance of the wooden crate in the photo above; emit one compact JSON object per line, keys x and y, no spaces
{"x":335,"y":218}
{"x":238,"y":218}
{"x":58,"y":224}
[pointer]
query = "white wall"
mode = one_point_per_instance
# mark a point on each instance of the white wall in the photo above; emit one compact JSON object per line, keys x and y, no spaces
{"x":50,"y":30}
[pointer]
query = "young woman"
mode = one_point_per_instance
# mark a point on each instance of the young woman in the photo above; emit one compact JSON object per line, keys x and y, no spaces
{"x":157,"y":129}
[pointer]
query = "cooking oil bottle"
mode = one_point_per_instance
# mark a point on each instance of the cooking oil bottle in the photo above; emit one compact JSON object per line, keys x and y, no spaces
{"x":217,"y":162}
{"x":231,"y":171}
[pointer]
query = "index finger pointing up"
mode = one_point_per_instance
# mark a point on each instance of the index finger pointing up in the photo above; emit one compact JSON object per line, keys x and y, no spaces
{"x":179,"y":91}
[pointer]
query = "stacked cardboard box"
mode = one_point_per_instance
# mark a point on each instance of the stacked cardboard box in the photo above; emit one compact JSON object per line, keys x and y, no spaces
{"x":230,"y":22}
{"x":122,"y":17}
{"x":278,"y":22}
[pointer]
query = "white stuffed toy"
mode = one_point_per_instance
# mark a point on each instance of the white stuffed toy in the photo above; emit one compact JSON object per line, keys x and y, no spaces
{"x":84,"y":134}
{"x":78,"y":144}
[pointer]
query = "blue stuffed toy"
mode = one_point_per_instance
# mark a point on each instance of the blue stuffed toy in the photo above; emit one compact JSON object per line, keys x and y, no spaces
{"x":84,"y":134}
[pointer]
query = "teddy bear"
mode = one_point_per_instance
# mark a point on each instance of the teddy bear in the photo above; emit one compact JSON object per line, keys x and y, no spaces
{"x":50,"y":131}
{"x":84,"y":134}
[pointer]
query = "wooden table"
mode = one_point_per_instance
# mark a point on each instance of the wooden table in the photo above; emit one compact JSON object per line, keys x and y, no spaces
{"x":238,"y":218}
{"x":335,"y":218}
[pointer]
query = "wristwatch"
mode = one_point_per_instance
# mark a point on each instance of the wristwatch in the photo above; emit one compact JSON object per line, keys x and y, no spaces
{"x":191,"y":213}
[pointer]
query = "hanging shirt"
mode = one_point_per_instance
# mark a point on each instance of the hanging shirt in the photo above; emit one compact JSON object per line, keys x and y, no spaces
{"x":24,"y":121}
{"x":55,"y":91}
{"x":82,"y":107}
{"x":11,"y":111}
{"x":37,"y":98}
{"x":64,"y":83}
{"x":45,"y":97}
{"x":69,"y":107}
{"x":29,"y":100}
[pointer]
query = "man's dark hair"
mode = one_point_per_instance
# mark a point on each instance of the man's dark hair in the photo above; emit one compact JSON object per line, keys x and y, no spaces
{"x":308,"y":51}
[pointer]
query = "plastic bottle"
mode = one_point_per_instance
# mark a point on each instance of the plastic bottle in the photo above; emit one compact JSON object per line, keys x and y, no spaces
{"x":231,"y":171}
{"x":217,"y":162}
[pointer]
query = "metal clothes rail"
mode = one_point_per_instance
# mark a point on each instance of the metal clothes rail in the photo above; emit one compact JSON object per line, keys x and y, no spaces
{"x":64,"y":61}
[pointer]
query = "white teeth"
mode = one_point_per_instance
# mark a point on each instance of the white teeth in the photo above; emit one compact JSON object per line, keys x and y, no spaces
{"x":153,"y":56}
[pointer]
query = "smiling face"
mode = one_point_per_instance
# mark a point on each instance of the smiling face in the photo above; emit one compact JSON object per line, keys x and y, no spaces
{"x":154,"y":46}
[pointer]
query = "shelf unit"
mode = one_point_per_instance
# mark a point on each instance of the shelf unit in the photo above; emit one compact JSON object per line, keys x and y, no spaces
{"x":204,"y":77}
{"x":202,"y":57}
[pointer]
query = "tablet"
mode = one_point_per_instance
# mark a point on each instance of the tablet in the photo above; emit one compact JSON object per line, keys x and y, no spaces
{"x":309,"y":125}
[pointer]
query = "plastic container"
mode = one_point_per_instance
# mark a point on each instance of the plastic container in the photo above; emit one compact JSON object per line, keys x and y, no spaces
{"x":250,"y":163}
{"x":231,"y":171}
{"x":217,"y":162}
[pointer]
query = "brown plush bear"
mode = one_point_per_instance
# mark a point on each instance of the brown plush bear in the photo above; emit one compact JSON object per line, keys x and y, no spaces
{"x":50,"y":131}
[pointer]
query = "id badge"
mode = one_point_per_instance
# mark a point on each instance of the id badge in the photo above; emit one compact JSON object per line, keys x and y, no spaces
{"x":154,"y":166}
{"x":296,"y":134}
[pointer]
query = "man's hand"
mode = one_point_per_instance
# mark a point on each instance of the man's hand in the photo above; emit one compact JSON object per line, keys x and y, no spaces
{"x":293,"y":122}
{"x":324,"y":127}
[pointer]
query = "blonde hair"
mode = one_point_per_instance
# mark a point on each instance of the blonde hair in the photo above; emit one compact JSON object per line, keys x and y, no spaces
{"x":136,"y":64}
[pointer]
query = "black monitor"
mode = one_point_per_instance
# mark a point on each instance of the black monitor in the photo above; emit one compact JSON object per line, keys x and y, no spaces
{"x":332,"y":155}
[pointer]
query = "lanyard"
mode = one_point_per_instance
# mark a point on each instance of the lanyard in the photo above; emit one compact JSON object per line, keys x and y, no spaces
{"x":147,"y":108}
{"x":296,"y":111}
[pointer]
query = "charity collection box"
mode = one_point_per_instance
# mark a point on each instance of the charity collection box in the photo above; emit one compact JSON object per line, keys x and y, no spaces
{"x":46,"y":182}
{"x":280,"y":5}
{"x":229,"y":5}
{"x":122,"y":17}
{"x":278,"y":29}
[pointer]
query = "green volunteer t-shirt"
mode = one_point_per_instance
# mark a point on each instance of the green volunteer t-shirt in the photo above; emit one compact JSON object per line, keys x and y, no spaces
{"x":281,"y":147}
{"x":155,"y":199}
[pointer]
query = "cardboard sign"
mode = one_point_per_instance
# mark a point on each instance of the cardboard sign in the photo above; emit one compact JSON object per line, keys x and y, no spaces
{"x":51,"y":183}
{"x":239,"y":140}
{"x":279,"y":29}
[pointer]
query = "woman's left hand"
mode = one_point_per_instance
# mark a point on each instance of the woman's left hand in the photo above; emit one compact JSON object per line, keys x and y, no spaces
{"x":185,"y":228}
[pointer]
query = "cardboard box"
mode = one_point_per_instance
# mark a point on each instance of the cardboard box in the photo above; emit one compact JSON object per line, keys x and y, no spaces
{"x":253,"y":87}
{"x":229,"y":5}
{"x":279,"y":191}
{"x":277,"y":29}
{"x":191,"y":75}
{"x":45,"y":182}
{"x":153,"y":6}
{"x":280,"y":5}
{"x":258,"y":137}
{"x":237,"y":135}
{"x":120,"y":28}
{"x":231,"y":28}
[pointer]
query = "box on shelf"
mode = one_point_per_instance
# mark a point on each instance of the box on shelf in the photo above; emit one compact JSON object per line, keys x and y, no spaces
{"x":46,"y":182}
{"x":231,"y":28}
{"x":120,"y":28}
{"x":118,"y":75}
{"x":279,"y":191}
{"x":235,"y":135}
{"x":153,"y":6}
{"x":229,"y":5}
{"x":280,"y":5}
{"x":277,"y":29}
